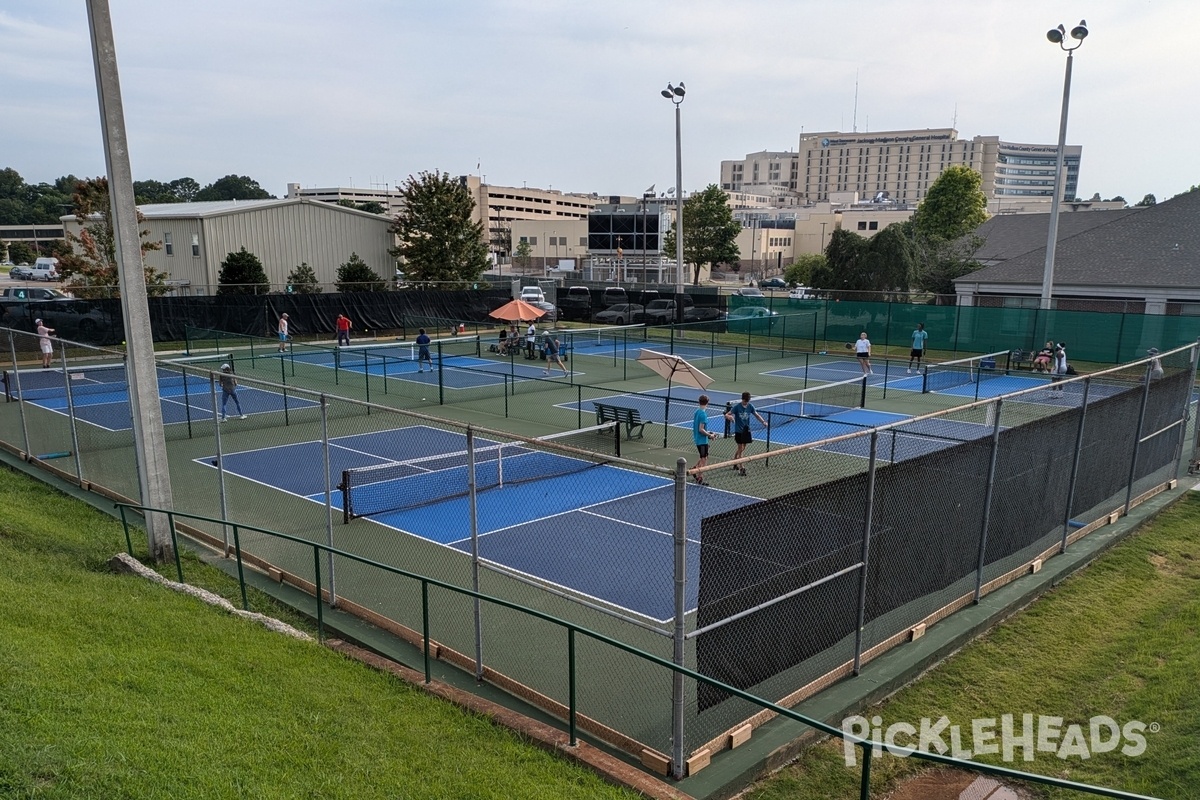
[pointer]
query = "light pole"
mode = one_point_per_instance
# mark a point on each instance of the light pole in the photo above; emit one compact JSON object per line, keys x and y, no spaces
{"x":675,"y":95}
{"x":1059,"y":37}
{"x":823,"y":237}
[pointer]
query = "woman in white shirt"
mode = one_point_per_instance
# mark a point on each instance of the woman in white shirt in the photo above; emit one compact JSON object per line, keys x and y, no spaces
{"x":862,"y":349}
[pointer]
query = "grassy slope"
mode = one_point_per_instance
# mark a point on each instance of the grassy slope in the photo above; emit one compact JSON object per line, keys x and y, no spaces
{"x":1121,"y":639}
{"x":113,"y":687}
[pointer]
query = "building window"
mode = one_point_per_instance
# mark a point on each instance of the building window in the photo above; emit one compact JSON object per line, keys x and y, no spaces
{"x":862,"y":224}
{"x":533,"y":240}
{"x":874,"y":226}
{"x":195,"y":245}
{"x":168,"y":245}
{"x":583,"y":241}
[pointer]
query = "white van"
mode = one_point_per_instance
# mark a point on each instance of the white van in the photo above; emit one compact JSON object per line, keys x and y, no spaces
{"x":44,"y":269}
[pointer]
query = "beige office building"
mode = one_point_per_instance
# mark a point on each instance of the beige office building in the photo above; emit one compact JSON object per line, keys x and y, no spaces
{"x":900,"y":166}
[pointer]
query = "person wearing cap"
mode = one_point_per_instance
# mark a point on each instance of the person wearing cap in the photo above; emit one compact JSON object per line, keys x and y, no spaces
{"x":1156,"y":368}
{"x":283,"y":332}
{"x":229,"y":390}
{"x":44,"y":342}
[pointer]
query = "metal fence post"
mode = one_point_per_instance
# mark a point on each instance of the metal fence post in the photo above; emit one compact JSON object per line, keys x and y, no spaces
{"x":1087,"y":385}
{"x":987,"y":502}
{"x":473,"y":512}
{"x":325,"y":457}
{"x":219,"y":463}
{"x":1137,"y":442}
{"x":1194,"y":356}
{"x":71,"y":415}
{"x":12,"y":345}
{"x":677,"y":704}
{"x":864,"y":553}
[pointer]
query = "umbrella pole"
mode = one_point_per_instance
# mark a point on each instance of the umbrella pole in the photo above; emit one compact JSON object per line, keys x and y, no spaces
{"x":667,"y":413}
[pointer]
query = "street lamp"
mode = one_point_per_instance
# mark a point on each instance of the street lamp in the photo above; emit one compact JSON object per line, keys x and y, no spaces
{"x":675,"y":95}
{"x":1059,"y":37}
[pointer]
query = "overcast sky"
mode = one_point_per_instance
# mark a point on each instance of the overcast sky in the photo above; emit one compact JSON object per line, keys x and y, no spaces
{"x":564,"y":94}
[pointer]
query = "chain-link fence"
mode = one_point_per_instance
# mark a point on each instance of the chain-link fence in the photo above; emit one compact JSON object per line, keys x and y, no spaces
{"x":792,"y":567}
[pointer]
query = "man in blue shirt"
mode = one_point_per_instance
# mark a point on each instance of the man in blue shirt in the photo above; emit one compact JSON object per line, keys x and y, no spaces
{"x":423,"y":351}
{"x":918,"y":347}
{"x":740,"y":415}
{"x":701,"y":435}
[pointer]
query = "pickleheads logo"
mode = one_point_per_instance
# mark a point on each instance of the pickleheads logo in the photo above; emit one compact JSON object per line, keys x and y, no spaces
{"x":1003,"y":736}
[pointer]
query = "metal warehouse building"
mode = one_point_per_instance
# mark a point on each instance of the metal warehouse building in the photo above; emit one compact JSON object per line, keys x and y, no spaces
{"x":197,"y":237}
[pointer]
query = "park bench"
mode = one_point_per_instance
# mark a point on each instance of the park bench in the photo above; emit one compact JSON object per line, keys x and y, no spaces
{"x":629,"y":417}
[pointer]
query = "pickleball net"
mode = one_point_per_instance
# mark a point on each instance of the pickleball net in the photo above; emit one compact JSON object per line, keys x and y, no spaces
{"x":814,"y":402}
{"x":418,"y":482}
{"x":965,"y":371}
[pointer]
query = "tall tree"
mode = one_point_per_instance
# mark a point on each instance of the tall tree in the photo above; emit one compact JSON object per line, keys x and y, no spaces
{"x":356,"y":276}
{"x":803,"y":268}
{"x":90,"y":268}
{"x":1148,"y":200}
{"x":709,"y":231}
{"x":954,"y":205}
{"x":941,"y":232}
{"x":302,"y":280}
{"x":844,"y":267}
{"x":233,"y":187}
{"x":185,"y":189}
{"x":438,"y":241}
{"x":888,"y":262}
{"x":242,"y":273}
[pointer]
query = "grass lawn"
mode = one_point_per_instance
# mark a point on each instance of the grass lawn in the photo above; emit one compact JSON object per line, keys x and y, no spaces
{"x":111,"y":687}
{"x":1120,"y":639}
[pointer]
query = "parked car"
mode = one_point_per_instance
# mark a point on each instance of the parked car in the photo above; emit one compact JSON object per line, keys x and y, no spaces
{"x":44,"y":269}
{"x":613,"y":295}
{"x":750,"y":291}
{"x":773,"y":283}
{"x":800,"y":293}
{"x":21,"y":272}
{"x":551,"y":314}
{"x":621,"y":314}
{"x":702,"y":314}
{"x":73,"y":318}
{"x":750,"y":319}
{"x":662,"y":312}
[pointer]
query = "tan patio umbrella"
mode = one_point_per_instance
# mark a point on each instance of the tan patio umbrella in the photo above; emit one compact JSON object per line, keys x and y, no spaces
{"x":676,"y":370}
{"x":517,"y":311}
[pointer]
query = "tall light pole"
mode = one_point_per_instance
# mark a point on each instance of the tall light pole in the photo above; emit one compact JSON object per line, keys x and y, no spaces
{"x":675,"y":95}
{"x":1059,"y":37}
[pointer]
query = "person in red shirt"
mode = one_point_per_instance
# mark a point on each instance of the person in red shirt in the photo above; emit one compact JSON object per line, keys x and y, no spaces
{"x":343,"y":330}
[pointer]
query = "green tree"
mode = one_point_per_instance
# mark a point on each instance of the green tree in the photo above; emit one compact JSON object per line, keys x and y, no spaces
{"x":709,"y":231}
{"x":844,"y":267}
{"x":523,"y":253}
{"x":888,"y":263}
{"x":242,"y":273}
{"x":937,"y":262}
{"x":438,"y":241}
{"x":146,"y":192}
{"x":1118,"y":199}
{"x":370,"y":206}
{"x":302,"y":280}
{"x":954,"y":205}
{"x":90,"y":267}
{"x":20,"y":253}
{"x":185,"y":189}
{"x":1148,"y":200}
{"x":233,"y":187}
{"x":356,"y":276}
{"x":801,"y":272}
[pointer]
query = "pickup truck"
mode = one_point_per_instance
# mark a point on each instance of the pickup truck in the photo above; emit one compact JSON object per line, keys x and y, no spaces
{"x":575,"y":302}
{"x":662,"y":312}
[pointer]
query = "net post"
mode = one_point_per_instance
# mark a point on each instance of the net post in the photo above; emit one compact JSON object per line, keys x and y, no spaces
{"x":472,"y":488}
{"x":344,"y":488}
{"x":862,"y":396}
{"x":864,"y":553}
{"x":616,"y":426}
{"x":441,"y":378}
{"x":678,"y":652}
{"x":1087,"y":383}
{"x":987,"y":502}
{"x":1137,"y":443}
{"x":187,"y":399}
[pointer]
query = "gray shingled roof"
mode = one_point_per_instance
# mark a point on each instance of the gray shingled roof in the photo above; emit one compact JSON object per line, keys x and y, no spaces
{"x":1007,"y":236}
{"x":1155,"y":246}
